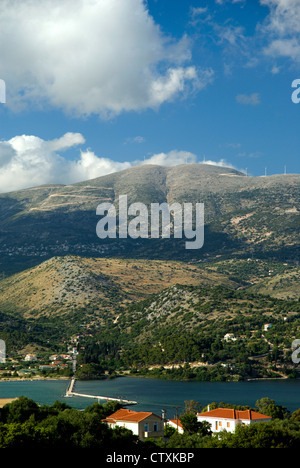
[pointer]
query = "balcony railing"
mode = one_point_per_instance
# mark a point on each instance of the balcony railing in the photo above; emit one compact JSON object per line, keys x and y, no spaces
{"x":151,"y":434}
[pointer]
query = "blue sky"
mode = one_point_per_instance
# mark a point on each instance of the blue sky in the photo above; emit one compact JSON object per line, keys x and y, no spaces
{"x":96,"y":86}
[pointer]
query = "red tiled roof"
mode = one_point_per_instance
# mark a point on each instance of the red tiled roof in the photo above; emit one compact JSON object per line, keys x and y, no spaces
{"x":174,"y":421}
{"x":128,"y":416}
{"x":228,"y":413}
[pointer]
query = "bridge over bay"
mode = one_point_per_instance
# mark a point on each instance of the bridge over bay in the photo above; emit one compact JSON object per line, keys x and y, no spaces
{"x":70,"y":392}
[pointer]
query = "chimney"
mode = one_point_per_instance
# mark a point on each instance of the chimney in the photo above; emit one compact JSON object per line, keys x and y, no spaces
{"x":208,"y":408}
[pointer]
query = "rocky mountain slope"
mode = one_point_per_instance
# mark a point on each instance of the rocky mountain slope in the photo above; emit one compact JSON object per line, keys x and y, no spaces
{"x":97,"y":287}
{"x":243,"y":215}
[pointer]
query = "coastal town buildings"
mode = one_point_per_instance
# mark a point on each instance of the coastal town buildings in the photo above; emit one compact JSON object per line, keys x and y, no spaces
{"x":176,"y":424}
{"x":146,"y":424}
{"x":142,"y":424}
{"x":30,"y":357}
{"x":226,"y":419}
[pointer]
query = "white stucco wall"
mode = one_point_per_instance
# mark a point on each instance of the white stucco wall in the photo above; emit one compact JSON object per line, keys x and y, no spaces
{"x":134,"y":427}
{"x":224,"y":423}
{"x":138,"y":428}
{"x":233,"y":423}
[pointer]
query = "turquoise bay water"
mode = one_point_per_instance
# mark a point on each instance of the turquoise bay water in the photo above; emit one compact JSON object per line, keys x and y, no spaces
{"x":155,"y":395}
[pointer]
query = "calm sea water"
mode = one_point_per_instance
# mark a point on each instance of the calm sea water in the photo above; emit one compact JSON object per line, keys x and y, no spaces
{"x":155,"y":395}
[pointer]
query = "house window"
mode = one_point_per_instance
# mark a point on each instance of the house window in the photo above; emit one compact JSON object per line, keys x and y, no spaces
{"x":228,"y":424}
{"x":220,"y":423}
{"x":155,"y":427}
{"x":146,"y":427}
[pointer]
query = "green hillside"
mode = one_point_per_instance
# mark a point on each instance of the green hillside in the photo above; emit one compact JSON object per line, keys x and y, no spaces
{"x":63,"y":285}
{"x":137,"y":305}
{"x":181,"y":333}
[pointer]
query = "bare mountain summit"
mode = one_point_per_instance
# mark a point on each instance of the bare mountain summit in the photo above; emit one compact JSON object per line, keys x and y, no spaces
{"x":244,"y":216}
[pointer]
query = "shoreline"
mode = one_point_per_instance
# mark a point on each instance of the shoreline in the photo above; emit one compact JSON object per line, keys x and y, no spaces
{"x":262,"y":379}
{"x":32,"y":379}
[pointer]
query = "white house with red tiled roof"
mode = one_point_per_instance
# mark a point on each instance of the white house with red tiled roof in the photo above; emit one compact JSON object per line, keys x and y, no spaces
{"x":176,"y":424}
{"x":142,"y":424}
{"x":226,"y":419}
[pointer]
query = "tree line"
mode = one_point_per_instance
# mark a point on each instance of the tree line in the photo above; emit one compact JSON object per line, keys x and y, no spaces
{"x":25,"y":424}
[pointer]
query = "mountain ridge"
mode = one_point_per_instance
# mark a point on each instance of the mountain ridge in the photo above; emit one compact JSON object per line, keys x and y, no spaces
{"x":243,"y":215}
{"x":62,"y":281}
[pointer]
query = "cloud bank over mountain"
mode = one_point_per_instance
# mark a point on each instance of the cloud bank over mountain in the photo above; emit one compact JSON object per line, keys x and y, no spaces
{"x":27,"y":161}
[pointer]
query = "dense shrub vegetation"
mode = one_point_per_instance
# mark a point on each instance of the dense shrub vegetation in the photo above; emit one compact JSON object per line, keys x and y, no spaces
{"x":24,"y":424}
{"x":186,"y":324}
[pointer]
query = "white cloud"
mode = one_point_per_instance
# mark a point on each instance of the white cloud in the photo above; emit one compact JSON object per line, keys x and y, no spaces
{"x":289,"y":48}
{"x":199,"y":14}
{"x":29,"y":161}
{"x":86,"y":56}
{"x":195,"y":11}
{"x":284,"y":18}
{"x":172,"y":158}
{"x":256,"y":154}
{"x":276,"y":36}
{"x":275,"y":70}
{"x":231,"y":34}
{"x":221,"y":2}
{"x":90,"y":166}
{"x":137,"y":139}
{"x":282,"y":27}
{"x":66,"y":141}
{"x":251,"y":99}
{"x":221,"y":163}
